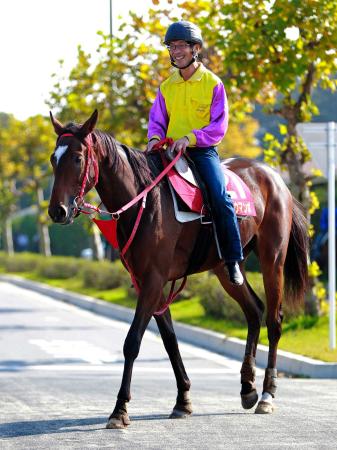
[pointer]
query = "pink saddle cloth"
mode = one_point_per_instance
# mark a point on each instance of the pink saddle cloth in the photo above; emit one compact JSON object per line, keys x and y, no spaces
{"x":191,"y":194}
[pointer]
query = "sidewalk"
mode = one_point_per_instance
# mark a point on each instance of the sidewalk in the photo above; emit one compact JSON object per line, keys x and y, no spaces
{"x":209,"y":340}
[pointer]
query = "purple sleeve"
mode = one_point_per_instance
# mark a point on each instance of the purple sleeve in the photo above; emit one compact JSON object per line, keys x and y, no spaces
{"x":216,"y":130}
{"x":158,"y":118}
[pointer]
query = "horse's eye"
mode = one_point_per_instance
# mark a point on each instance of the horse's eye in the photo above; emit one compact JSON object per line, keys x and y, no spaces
{"x":77,"y":159}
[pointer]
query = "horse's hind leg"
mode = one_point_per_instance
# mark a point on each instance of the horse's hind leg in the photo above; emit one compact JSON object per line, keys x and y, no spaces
{"x":183,"y":406}
{"x":253,"y":308}
{"x":272,"y":264}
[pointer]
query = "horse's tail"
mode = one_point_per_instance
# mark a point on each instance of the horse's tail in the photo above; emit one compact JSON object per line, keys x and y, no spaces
{"x":296,"y":278}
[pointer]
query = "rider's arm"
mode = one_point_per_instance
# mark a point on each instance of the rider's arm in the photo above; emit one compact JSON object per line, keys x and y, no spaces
{"x":158,"y":119}
{"x":213,"y":133}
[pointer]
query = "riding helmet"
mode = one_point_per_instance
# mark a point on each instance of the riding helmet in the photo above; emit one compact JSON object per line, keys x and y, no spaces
{"x":183,"y":31}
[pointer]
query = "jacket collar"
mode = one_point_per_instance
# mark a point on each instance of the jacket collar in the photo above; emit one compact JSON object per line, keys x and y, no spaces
{"x":198,"y":74}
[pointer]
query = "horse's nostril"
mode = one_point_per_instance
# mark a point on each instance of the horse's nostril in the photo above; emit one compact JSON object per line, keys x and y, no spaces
{"x":62,"y":213}
{"x":59,"y":213}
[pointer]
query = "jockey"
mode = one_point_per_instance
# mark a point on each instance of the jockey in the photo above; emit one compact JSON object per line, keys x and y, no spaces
{"x":191,"y":107}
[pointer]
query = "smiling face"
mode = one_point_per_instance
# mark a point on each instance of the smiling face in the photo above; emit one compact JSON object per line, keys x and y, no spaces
{"x":182,"y":52}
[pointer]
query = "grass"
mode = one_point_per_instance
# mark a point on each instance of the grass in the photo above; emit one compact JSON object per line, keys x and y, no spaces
{"x":303,"y":335}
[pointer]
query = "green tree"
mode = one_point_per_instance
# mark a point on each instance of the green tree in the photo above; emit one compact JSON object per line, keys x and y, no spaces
{"x":240,"y":140}
{"x":115,"y":85}
{"x":8,"y":182}
{"x":31,"y":154}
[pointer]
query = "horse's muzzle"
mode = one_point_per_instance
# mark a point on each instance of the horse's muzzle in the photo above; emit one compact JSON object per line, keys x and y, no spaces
{"x":61,"y":214}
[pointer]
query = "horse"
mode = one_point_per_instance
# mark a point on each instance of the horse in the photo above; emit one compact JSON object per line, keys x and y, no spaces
{"x":85,"y":157}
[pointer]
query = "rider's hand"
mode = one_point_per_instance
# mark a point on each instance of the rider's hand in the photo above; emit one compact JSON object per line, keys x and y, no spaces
{"x":151,"y":144}
{"x":180,"y":144}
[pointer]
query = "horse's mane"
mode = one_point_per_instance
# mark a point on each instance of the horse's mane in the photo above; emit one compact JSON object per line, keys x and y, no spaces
{"x":144,"y":167}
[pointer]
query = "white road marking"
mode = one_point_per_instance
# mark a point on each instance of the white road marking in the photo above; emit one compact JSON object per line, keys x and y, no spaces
{"x":83,"y":350}
{"x":51,"y":319}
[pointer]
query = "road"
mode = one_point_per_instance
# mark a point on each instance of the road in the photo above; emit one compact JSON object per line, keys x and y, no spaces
{"x":60,"y":371}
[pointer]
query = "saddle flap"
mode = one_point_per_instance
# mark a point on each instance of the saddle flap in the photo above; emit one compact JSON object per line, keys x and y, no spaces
{"x":240,"y":193}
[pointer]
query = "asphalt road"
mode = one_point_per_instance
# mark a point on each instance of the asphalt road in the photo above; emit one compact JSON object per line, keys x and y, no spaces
{"x":60,"y":371}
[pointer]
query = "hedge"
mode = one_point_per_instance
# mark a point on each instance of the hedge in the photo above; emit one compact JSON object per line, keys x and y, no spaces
{"x":105,"y":275}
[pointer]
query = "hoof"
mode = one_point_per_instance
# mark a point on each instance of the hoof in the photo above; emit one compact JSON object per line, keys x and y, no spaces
{"x":118,"y":422}
{"x":264,"y":408}
{"x":249,"y":400}
{"x":177,"y":414}
{"x":181,"y":412}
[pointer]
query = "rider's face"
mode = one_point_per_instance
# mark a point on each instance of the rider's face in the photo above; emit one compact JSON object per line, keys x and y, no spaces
{"x":181,"y":52}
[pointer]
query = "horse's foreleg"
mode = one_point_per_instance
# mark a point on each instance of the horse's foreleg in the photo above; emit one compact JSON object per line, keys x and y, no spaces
{"x":148,"y":301}
{"x":253,"y":308}
{"x":119,"y":417}
{"x":183,"y":406}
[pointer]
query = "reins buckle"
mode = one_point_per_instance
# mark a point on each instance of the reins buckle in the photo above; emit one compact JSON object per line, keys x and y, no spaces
{"x":75,"y":205}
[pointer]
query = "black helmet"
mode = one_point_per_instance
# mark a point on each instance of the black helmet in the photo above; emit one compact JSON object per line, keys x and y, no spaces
{"x":183,"y":31}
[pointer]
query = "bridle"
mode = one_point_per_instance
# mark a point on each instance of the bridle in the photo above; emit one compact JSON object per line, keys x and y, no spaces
{"x":90,"y":161}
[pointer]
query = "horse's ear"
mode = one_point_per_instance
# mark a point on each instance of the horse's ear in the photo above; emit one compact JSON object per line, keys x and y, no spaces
{"x":90,"y":124}
{"x":58,"y":127}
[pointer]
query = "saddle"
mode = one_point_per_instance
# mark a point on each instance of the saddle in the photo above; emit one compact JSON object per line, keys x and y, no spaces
{"x":187,"y":188}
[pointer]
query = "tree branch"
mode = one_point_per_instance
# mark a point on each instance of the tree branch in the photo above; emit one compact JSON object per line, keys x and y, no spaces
{"x":306,"y":87}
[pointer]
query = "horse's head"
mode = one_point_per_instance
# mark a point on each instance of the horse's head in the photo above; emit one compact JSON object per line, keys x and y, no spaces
{"x":75,"y":168}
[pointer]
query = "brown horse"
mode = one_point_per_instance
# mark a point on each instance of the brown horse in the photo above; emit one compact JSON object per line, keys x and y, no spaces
{"x":162,"y":248}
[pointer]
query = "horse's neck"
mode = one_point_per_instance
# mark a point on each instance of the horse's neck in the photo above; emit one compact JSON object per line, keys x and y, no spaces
{"x":116,"y":187}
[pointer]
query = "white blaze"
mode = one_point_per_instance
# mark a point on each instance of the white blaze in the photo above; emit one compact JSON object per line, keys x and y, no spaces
{"x":61,"y":149}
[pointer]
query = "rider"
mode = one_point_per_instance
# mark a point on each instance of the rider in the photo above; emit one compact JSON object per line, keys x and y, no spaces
{"x":191,"y":107}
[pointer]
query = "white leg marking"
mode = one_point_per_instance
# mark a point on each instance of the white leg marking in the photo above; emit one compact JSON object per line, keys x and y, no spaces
{"x":266,"y":397}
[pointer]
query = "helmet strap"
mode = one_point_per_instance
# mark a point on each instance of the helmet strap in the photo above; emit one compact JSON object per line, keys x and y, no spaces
{"x":185,"y":67}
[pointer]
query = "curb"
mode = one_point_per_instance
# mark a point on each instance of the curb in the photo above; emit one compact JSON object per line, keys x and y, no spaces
{"x":215,"y":342}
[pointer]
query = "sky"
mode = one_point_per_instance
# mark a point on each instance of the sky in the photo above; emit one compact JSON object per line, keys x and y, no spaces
{"x":36,"y":34}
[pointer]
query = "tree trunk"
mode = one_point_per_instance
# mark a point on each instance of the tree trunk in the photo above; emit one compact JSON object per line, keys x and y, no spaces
{"x":98,"y":249}
{"x":44,"y":239}
{"x":8,"y":236}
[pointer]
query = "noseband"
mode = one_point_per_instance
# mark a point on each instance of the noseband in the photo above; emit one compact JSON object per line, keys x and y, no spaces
{"x":90,"y":160}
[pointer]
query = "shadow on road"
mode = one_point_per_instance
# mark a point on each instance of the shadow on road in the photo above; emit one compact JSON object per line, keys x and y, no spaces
{"x":39,"y":427}
{"x":35,"y":427}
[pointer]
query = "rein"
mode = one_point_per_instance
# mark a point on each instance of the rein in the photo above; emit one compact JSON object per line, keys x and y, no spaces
{"x":116,"y":214}
{"x":79,"y":199}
